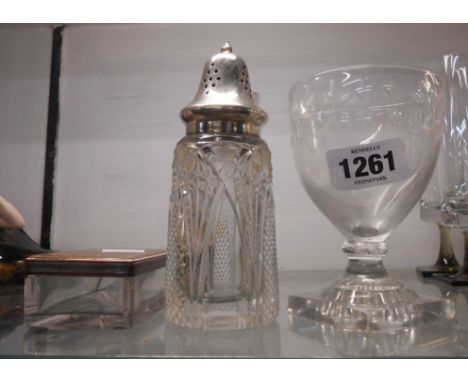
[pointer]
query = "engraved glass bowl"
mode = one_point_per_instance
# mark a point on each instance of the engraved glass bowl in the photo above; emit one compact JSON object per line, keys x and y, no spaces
{"x":365,"y":141}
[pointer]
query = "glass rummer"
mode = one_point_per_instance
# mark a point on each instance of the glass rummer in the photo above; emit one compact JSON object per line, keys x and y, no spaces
{"x":441,"y":201}
{"x":447,"y":202}
{"x":365,"y":141}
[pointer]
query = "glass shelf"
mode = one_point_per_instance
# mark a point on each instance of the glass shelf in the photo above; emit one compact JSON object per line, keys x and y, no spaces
{"x":287,"y":337}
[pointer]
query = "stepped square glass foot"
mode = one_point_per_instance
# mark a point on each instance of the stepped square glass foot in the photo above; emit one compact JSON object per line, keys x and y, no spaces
{"x":457,"y":279}
{"x":370,"y":304}
{"x":429,"y":271}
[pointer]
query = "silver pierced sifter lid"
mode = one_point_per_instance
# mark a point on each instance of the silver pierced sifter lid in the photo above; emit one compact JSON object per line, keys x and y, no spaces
{"x":224,"y":93}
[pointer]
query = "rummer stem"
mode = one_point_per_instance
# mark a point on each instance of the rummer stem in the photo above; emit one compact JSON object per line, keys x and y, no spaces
{"x":365,"y":258}
{"x":364,"y":250}
{"x":446,"y":254}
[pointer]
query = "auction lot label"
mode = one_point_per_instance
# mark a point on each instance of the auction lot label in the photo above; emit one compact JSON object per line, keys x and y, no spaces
{"x":368,"y":165}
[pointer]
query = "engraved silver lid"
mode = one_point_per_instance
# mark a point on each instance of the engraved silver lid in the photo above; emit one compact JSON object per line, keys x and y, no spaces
{"x":224,"y":93}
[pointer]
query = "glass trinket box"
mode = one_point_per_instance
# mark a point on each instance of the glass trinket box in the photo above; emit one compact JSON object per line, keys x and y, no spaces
{"x":95,"y":288}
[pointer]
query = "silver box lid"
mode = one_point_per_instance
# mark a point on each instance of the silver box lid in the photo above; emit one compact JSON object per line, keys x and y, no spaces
{"x":97,"y":262}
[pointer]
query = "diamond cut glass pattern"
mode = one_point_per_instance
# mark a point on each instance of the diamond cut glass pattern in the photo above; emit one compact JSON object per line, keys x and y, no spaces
{"x":221,"y":270}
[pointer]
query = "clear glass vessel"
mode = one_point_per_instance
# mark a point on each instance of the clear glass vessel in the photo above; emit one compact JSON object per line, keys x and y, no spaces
{"x":222,"y":256}
{"x":365,"y":141}
{"x":446,"y":200}
{"x":221,"y":269}
{"x":92,"y":289}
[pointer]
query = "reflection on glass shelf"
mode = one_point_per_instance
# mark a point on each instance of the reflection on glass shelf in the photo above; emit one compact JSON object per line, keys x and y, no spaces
{"x":421,"y":340}
{"x":142,"y":339}
{"x":260,"y":342}
{"x":153,"y":337}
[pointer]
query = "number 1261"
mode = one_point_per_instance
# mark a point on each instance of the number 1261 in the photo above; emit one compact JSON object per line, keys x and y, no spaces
{"x":373,"y":164}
